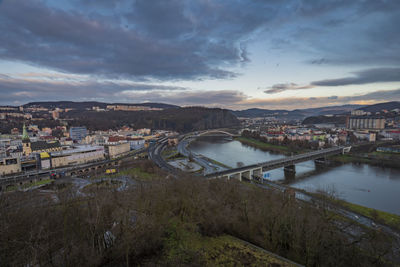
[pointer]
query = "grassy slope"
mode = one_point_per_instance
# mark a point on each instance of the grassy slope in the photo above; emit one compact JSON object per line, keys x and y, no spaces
{"x":183,"y":244}
{"x":28,"y":185}
{"x":136,"y":173}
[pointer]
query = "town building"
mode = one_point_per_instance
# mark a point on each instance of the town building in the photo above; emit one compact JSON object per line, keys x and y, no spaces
{"x":10,"y":166}
{"x":55,"y":114}
{"x":358,"y":112}
{"x":130,"y":108}
{"x":136,"y":143}
{"x":365,"y":135}
{"x":117,"y":150}
{"x":392,"y":134}
{"x":29,"y":147}
{"x":74,"y":156}
{"x":365,"y":122}
{"x":77,"y":133}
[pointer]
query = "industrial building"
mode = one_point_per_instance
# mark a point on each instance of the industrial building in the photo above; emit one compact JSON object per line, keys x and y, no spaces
{"x":365,"y":122}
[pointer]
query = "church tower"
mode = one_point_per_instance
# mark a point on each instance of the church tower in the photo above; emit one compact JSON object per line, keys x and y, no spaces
{"x":26,"y":142}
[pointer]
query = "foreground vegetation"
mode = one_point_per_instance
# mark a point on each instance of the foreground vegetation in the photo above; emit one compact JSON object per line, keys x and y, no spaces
{"x":29,"y":185}
{"x":142,"y":170}
{"x":185,"y":221}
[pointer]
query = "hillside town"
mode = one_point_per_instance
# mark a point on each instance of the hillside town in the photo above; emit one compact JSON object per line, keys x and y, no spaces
{"x":39,"y":148}
{"x":32,"y":148}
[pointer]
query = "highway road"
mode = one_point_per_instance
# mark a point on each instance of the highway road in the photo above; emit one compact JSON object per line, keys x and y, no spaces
{"x":155,"y":151}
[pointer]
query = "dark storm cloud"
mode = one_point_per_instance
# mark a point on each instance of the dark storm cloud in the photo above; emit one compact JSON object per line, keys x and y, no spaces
{"x":346,"y":32}
{"x":196,"y":98}
{"x":381,"y":95}
{"x":188,"y":39}
{"x":364,"y":77}
{"x":361,"y":77}
{"x":172,"y":40}
{"x":306,"y":102}
{"x":152,"y":39}
{"x":281,"y":87}
{"x":25,"y":90}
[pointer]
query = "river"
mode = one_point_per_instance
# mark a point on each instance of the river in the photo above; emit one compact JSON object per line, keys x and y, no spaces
{"x":362,"y":184}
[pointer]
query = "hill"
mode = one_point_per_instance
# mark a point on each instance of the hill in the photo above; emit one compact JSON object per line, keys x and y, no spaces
{"x":324,"y":119}
{"x":90,"y":104}
{"x":295,"y":114}
{"x":381,"y":106}
{"x":341,"y":119}
{"x":178,"y":119}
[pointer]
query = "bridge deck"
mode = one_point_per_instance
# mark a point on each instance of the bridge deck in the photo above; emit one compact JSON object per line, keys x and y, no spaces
{"x":278,"y":163}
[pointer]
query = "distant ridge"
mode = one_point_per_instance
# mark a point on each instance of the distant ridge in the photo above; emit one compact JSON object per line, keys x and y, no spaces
{"x":380,"y":106}
{"x":89,"y":104}
{"x":295,"y":114}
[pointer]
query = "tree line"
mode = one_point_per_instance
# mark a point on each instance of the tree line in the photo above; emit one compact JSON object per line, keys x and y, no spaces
{"x":142,"y":225}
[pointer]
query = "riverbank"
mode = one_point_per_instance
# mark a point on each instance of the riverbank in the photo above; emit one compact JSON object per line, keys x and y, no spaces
{"x":262,"y":145}
{"x":379,"y":216}
{"x":354,"y":158}
{"x":387,"y":218}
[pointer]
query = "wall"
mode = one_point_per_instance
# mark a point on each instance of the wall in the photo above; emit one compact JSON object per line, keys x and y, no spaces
{"x":10,"y":166}
{"x":117,"y":150}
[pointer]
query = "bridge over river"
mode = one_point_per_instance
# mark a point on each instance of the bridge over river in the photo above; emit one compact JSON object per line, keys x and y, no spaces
{"x":255,"y":171}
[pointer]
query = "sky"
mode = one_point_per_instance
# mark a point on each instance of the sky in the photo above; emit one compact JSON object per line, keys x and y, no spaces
{"x":233,"y":54}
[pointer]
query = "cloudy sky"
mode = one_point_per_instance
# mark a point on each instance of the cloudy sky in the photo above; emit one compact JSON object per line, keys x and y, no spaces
{"x":230,"y":53}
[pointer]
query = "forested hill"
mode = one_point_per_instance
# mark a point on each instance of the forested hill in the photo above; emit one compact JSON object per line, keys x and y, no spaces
{"x":382,"y":106}
{"x":324,"y":119}
{"x":90,"y":104}
{"x":179,"y":119}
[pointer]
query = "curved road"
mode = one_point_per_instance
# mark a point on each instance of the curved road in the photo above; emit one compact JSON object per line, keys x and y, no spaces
{"x":209,"y":167}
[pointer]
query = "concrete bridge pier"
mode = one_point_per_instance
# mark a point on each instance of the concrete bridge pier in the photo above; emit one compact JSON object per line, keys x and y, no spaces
{"x":246,"y":175}
{"x":257,"y":174}
{"x":290,"y":172}
{"x":321,"y":163}
{"x":290,"y":168}
{"x":237,"y":176}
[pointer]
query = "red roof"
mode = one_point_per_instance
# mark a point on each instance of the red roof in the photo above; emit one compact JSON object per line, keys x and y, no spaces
{"x":116,"y":138}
